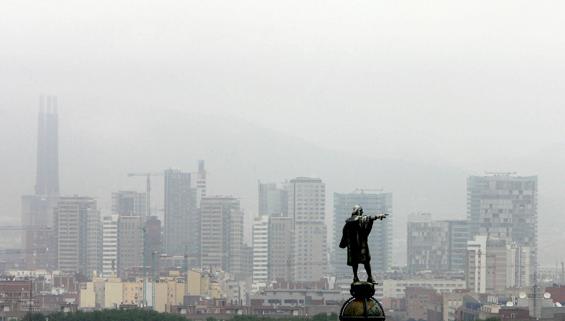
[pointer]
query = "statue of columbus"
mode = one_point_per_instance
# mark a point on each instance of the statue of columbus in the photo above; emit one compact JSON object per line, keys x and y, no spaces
{"x":355,"y":235}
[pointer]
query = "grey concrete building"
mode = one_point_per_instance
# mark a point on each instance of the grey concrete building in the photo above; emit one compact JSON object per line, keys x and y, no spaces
{"x":272,"y":199}
{"x":222,"y":235}
{"x":79,"y":235}
{"x":280,"y":248}
{"x":504,"y":206}
{"x":130,"y":244}
{"x":307,"y":208}
{"x":129,"y":203}
{"x":436,"y":246}
{"x":181,"y":218}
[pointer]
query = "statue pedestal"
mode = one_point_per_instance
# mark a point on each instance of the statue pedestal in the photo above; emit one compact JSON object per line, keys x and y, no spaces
{"x":362,"y":306}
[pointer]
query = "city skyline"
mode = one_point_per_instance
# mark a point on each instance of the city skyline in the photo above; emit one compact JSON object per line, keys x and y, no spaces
{"x":493,"y":251}
{"x":207,"y":160}
{"x":195,"y":189}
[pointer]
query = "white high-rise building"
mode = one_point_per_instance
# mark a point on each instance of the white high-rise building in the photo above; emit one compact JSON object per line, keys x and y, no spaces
{"x":307,"y":208}
{"x":476,"y":264}
{"x":200,"y":182}
{"x":494,"y":265}
{"x":110,"y":245}
{"x":260,"y":252}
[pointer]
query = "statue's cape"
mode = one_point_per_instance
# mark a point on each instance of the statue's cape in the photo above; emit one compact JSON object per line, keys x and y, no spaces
{"x":355,"y":234}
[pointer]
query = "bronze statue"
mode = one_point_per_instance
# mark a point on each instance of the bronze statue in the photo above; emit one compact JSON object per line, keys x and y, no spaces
{"x":355,"y":234}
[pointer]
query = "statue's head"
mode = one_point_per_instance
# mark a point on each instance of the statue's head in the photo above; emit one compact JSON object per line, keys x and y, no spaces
{"x":357,"y":210}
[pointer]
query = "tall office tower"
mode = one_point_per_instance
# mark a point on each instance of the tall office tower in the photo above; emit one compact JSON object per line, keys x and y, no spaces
{"x":110,"y":245}
{"x":458,"y":236}
{"x":152,"y":238}
{"x":380,"y":239}
{"x":272,"y":200}
{"x":280,"y":247}
{"x":260,"y":240}
{"x":200,"y":183}
{"x":504,"y":206}
{"x":436,"y":246}
{"x":130,"y":244}
{"x":37,"y":210}
{"x":78,"y":232}
{"x":307,"y":207}
{"x":222,"y":234}
{"x":129,"y":203}
{"x":180,"y":217}
{"x":47,"y":179}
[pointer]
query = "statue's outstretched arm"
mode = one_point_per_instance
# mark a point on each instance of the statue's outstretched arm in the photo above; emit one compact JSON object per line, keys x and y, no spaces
{"x":379,"y":216}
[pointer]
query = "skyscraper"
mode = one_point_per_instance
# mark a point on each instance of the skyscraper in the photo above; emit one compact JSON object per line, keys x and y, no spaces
{"x":458,"y":236}
{"x":222,"y":235}
{"x":129,"y":203}
{"x":152,"y":239}
{"x":130,"y":244}
{"x":181,"y":220}
{"x":504,"y":206}
{"x":260,"y":239}
{"x":47,"y":176}
{"x":200,"y":182}
{"x":436,"y":246}
{"x":307,"y":207}
{"x":476,"y":272}
{"x":272,"y":200}
{"x":280,"y":247}
{"x":380,"y":239}
{"x":37,"y":209}
{"x":78,"y":234}
{"x":110,"y":245}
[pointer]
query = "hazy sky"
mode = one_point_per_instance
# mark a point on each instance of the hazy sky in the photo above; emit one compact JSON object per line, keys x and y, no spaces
{"x":474,"y":84}
{"x":443,"y":79}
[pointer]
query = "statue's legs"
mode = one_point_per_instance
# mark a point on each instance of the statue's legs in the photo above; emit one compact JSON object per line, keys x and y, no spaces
{"x":355,"y":277}
{"x":369,"y":274}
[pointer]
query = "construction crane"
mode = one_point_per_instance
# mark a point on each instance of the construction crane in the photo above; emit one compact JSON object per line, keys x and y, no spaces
{"x":147,"y":188}
{"x":148,"y":214}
